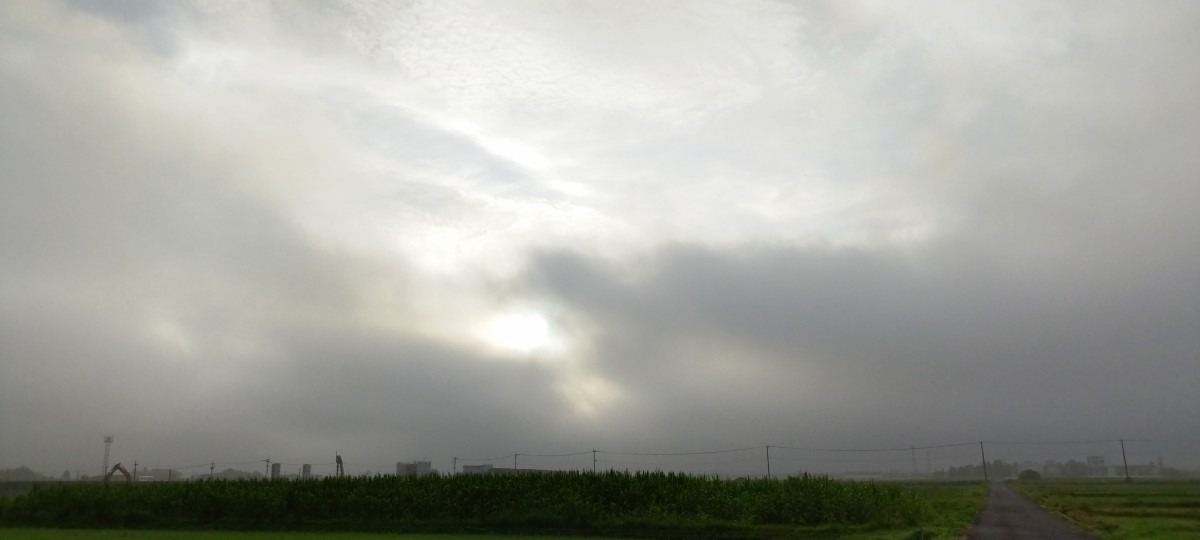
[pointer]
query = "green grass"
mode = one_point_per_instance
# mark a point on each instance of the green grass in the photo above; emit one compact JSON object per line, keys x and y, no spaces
{"x":1118,"y":510}
{"x":93,"y":534}
{"x":955,"y":505}
{"x":103,"y":534}
{"x":607,"y":504}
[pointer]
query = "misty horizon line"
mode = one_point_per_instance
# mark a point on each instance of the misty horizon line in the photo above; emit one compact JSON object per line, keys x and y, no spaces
{"x":983,"y":447}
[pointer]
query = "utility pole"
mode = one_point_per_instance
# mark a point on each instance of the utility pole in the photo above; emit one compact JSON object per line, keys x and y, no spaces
{"x":211,"y":466}
{"x":983,"y":457}
{"x":593,"y":461}
{"x":515,"y":462}
{"x":135,"y":471}
{"x":914,"y":461}
{"x":768,"y":461}
{"x":268,"y":471}
{"x":454,"y":466}
{"x":1125,"y":461}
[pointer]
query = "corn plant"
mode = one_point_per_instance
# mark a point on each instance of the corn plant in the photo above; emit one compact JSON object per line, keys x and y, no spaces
{"x":558,"y":501}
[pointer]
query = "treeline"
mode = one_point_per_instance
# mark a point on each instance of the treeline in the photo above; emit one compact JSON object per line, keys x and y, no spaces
{"x":996,"y":469}
{"x":25,"y":474}
{"x":611,"y":502}
{"x":1071,"y":468}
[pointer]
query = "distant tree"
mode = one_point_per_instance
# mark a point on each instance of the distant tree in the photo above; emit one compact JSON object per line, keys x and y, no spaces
{"x":21,"y":474}
{"x":234,"y":474}
{"x":1075,"y":468}
{"x":1172,"y":472}
{"x":966,"y":471}
{"x":1030,"y":474}
{"x":999,"y":469}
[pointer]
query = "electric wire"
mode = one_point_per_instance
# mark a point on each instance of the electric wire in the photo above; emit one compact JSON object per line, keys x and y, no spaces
{"x":780,"y":458}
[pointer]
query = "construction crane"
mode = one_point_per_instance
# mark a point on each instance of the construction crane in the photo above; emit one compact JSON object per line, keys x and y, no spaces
{"x":115,"y":468}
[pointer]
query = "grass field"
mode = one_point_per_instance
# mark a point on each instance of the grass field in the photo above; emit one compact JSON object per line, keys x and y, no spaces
{"x":89,"y":534}
{"x":610,"y":504}
{"x":101,"y":534}
{"x":955,"y":505}
{"x":1117,"y":510}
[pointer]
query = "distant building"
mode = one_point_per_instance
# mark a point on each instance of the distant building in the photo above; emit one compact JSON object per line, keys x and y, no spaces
{"x":477,"y":469}
{"x":487,"y":468}
{"x":1052,"y":468}
{"x":863,"y":475}
{"x":1096,"y":467}
{"x":275,"y":468}
{"x":415,"y":468}
{"x":1151,"y":469}
{"x":509,"y":470}
{"x":306,"y":471}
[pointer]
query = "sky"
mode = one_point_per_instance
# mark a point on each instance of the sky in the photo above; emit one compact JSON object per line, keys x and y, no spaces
{"x":239,"y":230}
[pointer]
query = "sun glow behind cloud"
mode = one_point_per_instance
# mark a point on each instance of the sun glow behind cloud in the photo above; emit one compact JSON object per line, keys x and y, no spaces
{"x":525,"y":335}
{"x":453,"y":176}
{"x":520,"y":332}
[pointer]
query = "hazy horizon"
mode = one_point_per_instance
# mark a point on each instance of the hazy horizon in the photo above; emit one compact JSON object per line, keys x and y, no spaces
{"x":245,"y":230}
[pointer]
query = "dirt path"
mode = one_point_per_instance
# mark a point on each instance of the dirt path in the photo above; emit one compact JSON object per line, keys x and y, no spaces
{"x":1008,"y":515}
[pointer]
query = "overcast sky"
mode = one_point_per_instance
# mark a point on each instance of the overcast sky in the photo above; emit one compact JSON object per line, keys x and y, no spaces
{"x":397,"y":230}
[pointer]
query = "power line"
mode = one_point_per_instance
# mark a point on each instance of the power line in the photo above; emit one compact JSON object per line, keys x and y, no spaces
{"x":782,"y":458}
{"x":1185,"y":441}
{"x":505,"y":456}
{"x":1048,"y":443}
{"x":681,"y":465}
{"x":361,"y":466}
{"x":679,"y":453}
{"x":553,"y":455}
{"x":905,"y":449}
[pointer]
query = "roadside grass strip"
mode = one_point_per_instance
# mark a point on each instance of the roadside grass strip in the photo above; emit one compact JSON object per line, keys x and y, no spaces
{"x":1115,"y":509}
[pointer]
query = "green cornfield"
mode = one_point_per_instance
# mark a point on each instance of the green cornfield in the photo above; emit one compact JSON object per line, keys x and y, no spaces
{"x":612,"y":501}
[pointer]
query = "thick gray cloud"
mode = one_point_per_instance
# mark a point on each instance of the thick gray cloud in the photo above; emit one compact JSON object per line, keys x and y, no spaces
{"x":231,"y":232}
{"x":891,"y":344}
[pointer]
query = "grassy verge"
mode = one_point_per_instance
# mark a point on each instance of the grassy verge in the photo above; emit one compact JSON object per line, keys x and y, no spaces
{"x":1118,"y":510}
{"x":954,"y":504}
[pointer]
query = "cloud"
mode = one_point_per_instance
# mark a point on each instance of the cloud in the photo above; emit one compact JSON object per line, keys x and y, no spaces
{"x":231,"y":231}
{"x":779,"y":340}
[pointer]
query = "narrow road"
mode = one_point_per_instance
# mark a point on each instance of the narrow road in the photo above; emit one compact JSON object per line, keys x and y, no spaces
{"x":1008,"y":515}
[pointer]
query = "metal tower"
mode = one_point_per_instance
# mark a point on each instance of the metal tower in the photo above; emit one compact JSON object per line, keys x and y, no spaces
{"x":108,"y":439}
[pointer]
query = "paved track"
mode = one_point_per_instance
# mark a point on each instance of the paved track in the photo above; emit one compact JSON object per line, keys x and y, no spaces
{"x":1008,"y":515}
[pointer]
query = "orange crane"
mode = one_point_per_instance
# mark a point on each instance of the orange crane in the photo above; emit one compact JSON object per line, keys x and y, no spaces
{"x":115,"y":468}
